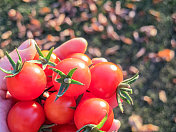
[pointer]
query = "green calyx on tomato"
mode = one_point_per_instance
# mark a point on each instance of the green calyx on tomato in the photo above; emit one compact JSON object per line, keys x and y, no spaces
{"x":92,"y":127}
{"x":16,"y":66}
{"x":44,"y":60}
{"x":124,"y":89}
{"x":47,"y":128}
{"x":65,"y":81}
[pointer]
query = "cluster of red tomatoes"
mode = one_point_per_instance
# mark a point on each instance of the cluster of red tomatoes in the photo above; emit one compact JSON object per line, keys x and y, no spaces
{"x":69,"y":93}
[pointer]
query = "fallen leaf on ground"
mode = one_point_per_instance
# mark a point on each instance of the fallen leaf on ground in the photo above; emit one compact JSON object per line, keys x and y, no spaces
{"x":147,"y":99}
{"x":162,"y":96}
{"x":6,"y":35}
{"x":1,"y":53}
{"x":141,"y":52}
{"x":94,"y":51}
{"x":166,"y":54}
{"x":112,"y":50}
{"x":133,"y":70}
{"x":5,"y":43}
{"x":126,"y":40}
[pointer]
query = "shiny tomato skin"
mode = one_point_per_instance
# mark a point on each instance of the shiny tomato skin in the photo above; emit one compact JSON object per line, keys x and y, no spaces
{"x":59,"y":111}
{"x":82,"y":57}
{"x":65,"y":128}
{"x":98,"y":60}
{"x":48,"y":71}
{"x":26,"y":116}
{"x":92,"y":111}
{"x":28,"y":84}
{"x":105,"y":77}
{"x":82,"y":74}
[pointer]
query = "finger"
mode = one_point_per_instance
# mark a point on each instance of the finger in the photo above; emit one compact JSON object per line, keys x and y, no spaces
{"x":26,"y":50}
{"x":115,"y":126}
{"x":76,"y":45}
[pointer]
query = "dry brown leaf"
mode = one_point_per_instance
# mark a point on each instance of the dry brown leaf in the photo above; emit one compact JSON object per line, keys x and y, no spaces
{"x":21,"y":29}
{"x":147,"y":99}
{"x":88,"y":29}
{"x":141,"y":52}
{"x":174,"y":80}
{"x":162,"y":96}
{"x":149,"y":128}
{"x":84,"y":16}
{"x":30,"y":35}
{"x":48,"y":17}
{"x":45,"y":10}
{"x":173,"y":43}
{"x":35,"y":23}
{"x":72,"y":33}
{"x":94,"y":51}
{"x":157,"y":1}
{"x":126,"y":40}
{"x":130,"y":6}
{"x":125,"y":74}
{"x":102,"y":19}
{"x":52,"y":38}
{"x":149,"y":30}
{"x":93,"y":7}
{"x":133,"y":70}
{"x":49,"y":45}
{"x":108,"y":6}
{"x":156,"y":14}
{"x":118,"y":8}
{"x":112,"y":50}
{"x":113,"y":18}
{"x":6,"y":35}
{"x":135,"y":122}
{"x":111,"y":33}
{"x":174,"y":17}
{"x":97,"y":27}
{"x":166,"y":54}
{"x":12,"y":13}
{"x":5,"y":43}
{"x":152,"y":55}
{"x":1,"y":53}
{"x":60,"y":19}
{"x":68,"y":21}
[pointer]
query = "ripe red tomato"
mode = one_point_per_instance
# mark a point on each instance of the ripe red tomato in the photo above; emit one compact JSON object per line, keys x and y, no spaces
{"x":65,"y":128}
{"x":26,"y":116}
{"x":82,"y":57}
{"x":28,"y":84}
{"x":48,"y":71}
{"x":59,"y":111}
{"x":105,"y":77}
{"x":112,"y":101}
{"x":92,"y":111}
{"x":82,"y":74}
{"x":98,"y":60}
{"x":76,"y":45}
{"x":53,"y":57}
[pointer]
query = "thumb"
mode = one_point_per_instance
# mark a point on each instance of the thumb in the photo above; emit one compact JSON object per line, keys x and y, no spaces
{"x":26,"y":50}
{"x":115,"y":126}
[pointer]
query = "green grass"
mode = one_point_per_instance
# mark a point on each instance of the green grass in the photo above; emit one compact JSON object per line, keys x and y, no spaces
{"x":153,"y":76}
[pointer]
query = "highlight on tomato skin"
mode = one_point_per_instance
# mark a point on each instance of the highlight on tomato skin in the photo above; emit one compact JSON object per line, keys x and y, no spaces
{"x":60,"y":111}
{"x":92,"y":111}
{"x":105,"y":77}
{"x":82,"y":57}
{"x":98,"y":60}
{"x":25,"y":116}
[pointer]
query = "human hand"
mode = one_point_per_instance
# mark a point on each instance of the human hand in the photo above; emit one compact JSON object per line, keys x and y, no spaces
{"x":27,"y":51}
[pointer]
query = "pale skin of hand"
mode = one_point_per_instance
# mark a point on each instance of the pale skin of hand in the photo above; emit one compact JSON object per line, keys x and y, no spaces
{"x":27,"y":51}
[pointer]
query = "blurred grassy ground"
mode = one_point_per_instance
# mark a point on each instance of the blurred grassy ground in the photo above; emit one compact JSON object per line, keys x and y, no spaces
{"x":154,"y":76}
